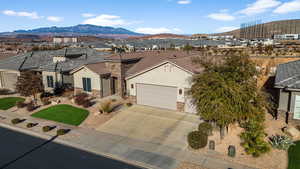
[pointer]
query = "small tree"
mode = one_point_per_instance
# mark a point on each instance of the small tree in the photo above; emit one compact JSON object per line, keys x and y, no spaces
{"x":226,"y":92}
{"x":29,"y":83}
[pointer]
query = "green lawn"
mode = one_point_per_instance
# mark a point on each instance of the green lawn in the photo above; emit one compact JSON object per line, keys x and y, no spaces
{"x":63,"y":113}
{"x":294,"y":156}
{"x":9,"y":102}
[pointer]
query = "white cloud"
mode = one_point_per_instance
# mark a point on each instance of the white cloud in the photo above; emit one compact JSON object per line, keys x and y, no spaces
{"x":87,"y":15}
{"x":157,"y":30}
{"x":55,"y":18}
{"x":226,"y":29}
{"x":260,"y":6}
{"x":222,"y":16}
{"x":287,"y":7}
{"x":31,"y":15}
{"x":106,"y":20}
{"x":184,"y":2}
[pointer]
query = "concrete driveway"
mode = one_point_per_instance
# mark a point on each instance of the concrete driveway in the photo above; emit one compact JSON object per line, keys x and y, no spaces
{"x":152,"y":125}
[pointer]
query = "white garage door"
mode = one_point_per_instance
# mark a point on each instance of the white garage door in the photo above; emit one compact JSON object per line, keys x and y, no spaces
{"x":189,"y":106}
{"x":9,"y":80}
{"x":157,"y":96}
{"x":297,"y":108}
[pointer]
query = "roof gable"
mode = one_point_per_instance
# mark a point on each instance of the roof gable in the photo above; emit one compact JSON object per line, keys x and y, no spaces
{"x":157,"y":66}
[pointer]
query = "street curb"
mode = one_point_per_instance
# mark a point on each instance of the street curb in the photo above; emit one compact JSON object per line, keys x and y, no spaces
{"x":77,"y":146}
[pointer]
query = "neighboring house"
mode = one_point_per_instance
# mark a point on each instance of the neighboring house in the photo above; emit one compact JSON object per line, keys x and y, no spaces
{"x":104,"y":78}
{"x":287,"y":82}
{"x":53,"y":66}
{"x":162,"y":80}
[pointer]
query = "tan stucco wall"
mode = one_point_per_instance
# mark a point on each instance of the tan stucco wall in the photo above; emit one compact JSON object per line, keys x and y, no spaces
{"x":85,"y":72}
{"x":165,"y":75}
{"x":56,"y":78}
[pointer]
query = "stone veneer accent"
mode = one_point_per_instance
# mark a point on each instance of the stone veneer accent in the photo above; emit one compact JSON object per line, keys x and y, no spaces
{"x":117,"y":70}
{"x":180,"y":106}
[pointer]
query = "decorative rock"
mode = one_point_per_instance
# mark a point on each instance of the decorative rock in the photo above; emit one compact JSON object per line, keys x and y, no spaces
{"x":293,"y":132}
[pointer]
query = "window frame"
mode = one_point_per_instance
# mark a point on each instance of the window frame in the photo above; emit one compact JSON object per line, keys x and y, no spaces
{"x":50,"y":81}
{"x":87,"y":84}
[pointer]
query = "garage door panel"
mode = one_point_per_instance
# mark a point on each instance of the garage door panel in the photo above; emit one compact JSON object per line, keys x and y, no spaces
{"x":157,"y":96}
{"x":297,"y":108}
{"x":9,"y":80}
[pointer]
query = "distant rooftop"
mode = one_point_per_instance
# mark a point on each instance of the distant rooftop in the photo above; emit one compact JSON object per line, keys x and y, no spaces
{"x":43,"y":60}
{"x":288,"y":75}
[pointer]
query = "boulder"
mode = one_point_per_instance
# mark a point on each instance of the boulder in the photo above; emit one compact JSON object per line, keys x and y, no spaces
{"x":293,"y":132}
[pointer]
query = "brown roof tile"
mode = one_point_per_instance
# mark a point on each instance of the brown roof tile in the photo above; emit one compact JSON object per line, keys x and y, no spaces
{"x":150,"y":59}
{"x":99,"y":68}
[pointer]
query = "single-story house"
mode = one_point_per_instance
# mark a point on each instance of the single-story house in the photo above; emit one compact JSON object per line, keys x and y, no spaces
{"x":159,"y":79}
{"x":287,"y":82}
{"x":162,"y":79}
{"x":84,"y":69}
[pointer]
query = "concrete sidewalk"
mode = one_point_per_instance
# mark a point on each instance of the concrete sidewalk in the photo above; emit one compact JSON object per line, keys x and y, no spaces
{"x":145,"y":154}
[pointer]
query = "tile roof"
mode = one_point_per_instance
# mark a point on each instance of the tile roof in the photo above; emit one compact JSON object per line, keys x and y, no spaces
{"x":288,"y":75}
{"x":43,"y":60}
{"x":99,"y":68}
{"x":150,"y":59}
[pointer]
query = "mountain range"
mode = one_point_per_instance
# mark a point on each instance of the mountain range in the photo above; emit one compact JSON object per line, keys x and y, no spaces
{"x":78,"y":30}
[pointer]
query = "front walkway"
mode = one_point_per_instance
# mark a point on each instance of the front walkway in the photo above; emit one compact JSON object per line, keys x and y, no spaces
{"x":143,"y":153}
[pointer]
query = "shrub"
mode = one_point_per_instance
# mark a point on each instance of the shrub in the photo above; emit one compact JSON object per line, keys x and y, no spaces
{"x":128,"y":104}
{"x":253,"y":138}
{"x":30,"y":106}
{"x":206,"y":128}
{"x":106,"y":107}
{"x":281,"y":142}
{"x":113,"y":100}
{"x":5,"y":92}
{"x":81,"y":98}
{"x":197,"y":140}
{"x":30,"y":125}
{"x":46,"y":101}
{"x":298,"y":127}
{"x":47,"y":128}
{"x":46,"y":94}
{"x":21,"y":104}
{"x":59,"y":91}
{"x":87,"y":103}
{"x":61,"y":132}
{"x":16,"y":121}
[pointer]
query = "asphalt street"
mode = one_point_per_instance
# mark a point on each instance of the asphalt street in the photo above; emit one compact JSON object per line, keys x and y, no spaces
{"x":21,"y":151}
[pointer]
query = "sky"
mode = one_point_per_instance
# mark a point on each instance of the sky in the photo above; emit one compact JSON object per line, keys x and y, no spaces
{"x":145,"y":16}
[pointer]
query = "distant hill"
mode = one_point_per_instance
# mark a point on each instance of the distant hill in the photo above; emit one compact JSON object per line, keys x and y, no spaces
{"x":268,"y":30}
{"x":162,"y":36}
{"x":78,"y":30}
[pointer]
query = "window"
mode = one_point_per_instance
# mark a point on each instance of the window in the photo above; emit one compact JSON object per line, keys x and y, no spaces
{"x":132,"y":86}
{"x":87,"y":85}
{"x":50,"y":83}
